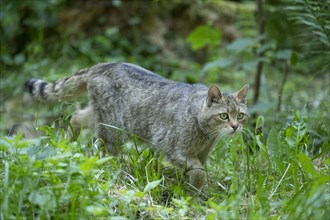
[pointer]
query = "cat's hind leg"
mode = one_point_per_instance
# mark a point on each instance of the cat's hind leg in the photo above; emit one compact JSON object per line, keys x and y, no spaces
{"x":83,"y":118}
{"x":111,"y":138}
{"x":86,"y":118}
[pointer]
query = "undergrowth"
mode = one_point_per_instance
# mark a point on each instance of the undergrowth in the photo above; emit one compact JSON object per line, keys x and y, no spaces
{"x":255,"y":175}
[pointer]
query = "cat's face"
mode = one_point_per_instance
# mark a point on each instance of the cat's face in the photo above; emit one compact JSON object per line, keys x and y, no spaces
{"x":223,"y":113}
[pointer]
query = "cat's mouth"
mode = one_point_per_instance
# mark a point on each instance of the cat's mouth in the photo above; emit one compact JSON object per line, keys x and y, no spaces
{"x":233,"y":132}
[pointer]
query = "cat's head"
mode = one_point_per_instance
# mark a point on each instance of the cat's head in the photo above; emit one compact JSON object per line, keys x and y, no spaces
{"x":224,"y":113}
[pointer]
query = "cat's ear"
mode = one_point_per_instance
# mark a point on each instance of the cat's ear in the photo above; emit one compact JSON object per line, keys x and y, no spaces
{"x":213,"y":95}
{"x":241,"y":94}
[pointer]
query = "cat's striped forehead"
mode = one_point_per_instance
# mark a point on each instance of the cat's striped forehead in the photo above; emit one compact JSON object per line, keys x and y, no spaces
{"x":229,"y":103}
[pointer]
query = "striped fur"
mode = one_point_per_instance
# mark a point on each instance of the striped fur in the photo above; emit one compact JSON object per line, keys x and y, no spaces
{"x":182,"y":119}
{"x":63,"y":89}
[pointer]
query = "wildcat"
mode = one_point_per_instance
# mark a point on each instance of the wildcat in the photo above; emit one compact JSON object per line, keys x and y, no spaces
{"x":185,"y":120}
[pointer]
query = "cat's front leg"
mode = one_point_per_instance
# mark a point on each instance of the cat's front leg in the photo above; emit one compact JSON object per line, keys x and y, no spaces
{"x":196,"y":173}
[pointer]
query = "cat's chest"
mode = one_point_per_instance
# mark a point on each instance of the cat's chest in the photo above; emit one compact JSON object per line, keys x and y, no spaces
{"x":201,"y":146}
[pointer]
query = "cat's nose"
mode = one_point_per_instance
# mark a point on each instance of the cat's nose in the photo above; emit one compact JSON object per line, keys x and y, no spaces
{"x":234,"y":127}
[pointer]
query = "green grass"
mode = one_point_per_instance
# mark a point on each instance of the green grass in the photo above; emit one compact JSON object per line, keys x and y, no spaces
{"x":250,"y":176}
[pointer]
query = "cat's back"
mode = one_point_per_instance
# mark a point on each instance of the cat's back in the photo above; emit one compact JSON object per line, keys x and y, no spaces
{"x":125,"y":70}
{"x":131,"y":75}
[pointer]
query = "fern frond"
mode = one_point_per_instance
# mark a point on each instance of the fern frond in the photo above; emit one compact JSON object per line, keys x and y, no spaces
{"x":315,"y":16}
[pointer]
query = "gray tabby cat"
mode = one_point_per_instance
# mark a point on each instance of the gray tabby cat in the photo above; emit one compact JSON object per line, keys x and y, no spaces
{"x":185,"y":120}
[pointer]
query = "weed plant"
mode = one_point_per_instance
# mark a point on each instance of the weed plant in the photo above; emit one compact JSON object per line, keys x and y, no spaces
{"x":250,"y":176}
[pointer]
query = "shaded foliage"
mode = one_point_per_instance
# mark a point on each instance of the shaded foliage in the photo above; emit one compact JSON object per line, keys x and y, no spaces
{"x":53,"y":177}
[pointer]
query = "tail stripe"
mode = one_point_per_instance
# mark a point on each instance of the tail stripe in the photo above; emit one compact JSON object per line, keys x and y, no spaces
{"x":36,"y":87}
{"x":29,"y":85}
{"x":63,"y":89}
{"x":42,"y":89}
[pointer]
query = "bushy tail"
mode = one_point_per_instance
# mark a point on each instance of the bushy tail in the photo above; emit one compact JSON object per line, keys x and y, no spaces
{"x":62,"y":89}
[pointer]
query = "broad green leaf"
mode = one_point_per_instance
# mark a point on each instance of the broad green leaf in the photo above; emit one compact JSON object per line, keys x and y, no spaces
{"x":294,"y":58}
{"x":259,"y":124}
{"x":240,"y":45}
{"x":152,"y":185}
{"x":259,"y":133}
{"x":96,"y":210}
{"x":223,"y":63}
{"x":118,"y":218}
{"x":287,"y":55}
{"x":204,"y":36}
{"x":229,"y":166}
{"x":41,"y":152}
{"x":295,"y":132}
{"x":140,"y":194}
{"x":269,"y":46}
{"x":103,"y":160}
{"x":211,"y":216}
{"x":283,"y":54}
{"x":88,"y":165}
{"x":307,"y":165}
{"x":110,"y":32}
{"x":273,"y":143}
{"x":291,"y":137}
{"x":296,"y":116}
{"x":249,"y":65}
{"x":40,"y":199}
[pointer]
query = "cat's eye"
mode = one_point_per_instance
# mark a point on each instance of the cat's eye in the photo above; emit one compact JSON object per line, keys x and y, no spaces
{"x":224,"y":116}
{"x":240,"y":116}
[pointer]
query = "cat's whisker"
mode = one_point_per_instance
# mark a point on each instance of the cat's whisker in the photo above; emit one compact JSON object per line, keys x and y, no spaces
{"x":245,"y":132}
{"x":220,"y":136}
{"x":214,"y":136}
{"x":217,"y":134}
{"x":211,"y":135}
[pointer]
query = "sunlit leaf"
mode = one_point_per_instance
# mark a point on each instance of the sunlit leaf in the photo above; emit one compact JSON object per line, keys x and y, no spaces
{"x":96,"y":209}
{"x":223,"y":63}
{"x":204,"y":36}
{"x":283,"y":54}
{"x":103,"y":160}
{"x":41,"y":199}
{"x":152,"y":185}
{"x":88,"y":164}
{"x":295,"y":132}
{"x":36,"y":198}
{"x":307,"y":165}
{"x":240,"y":45}
{"x":273,"y":143}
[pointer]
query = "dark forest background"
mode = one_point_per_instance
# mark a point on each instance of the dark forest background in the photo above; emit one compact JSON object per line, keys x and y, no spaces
{"x":281,"y":48}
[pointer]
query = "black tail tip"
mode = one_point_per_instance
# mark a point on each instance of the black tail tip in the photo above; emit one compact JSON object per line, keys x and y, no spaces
{"x":29,"y":85}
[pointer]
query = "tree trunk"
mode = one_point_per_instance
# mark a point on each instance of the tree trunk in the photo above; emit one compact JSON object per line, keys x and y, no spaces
{"x":261,"y":31}
{"x":281,"y":89}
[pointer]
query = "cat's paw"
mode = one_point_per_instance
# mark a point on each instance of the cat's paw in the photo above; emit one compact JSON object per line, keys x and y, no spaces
{"x":197,"y":177}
